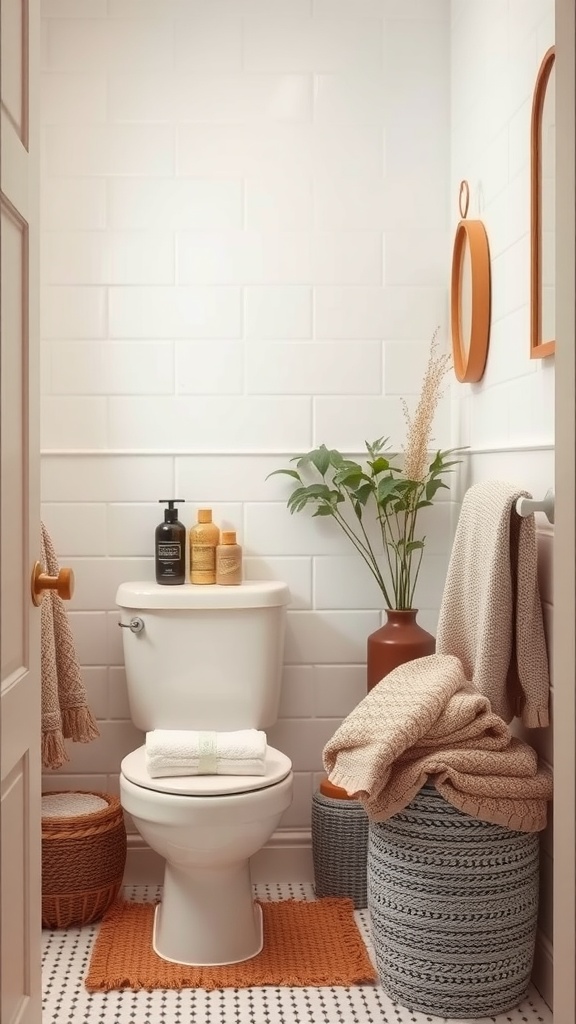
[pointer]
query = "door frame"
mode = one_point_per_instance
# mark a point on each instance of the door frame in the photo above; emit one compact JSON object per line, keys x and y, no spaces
{"x":564,"y":649}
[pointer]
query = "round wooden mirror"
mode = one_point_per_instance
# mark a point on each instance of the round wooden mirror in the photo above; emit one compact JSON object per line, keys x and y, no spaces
{"x":542,"y":213}
{"x":470,"y":295}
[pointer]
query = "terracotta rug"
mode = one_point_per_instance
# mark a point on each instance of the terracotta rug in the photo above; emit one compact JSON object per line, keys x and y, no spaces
{"x":305,"y":943}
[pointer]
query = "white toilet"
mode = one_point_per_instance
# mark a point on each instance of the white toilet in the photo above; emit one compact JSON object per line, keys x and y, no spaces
{"x":207,"y":658}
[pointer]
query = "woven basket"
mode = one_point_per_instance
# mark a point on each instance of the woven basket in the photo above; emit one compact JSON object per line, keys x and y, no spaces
{"x":453,"y":908}
{"x":83,"y":860}
{"x":340,"y":848}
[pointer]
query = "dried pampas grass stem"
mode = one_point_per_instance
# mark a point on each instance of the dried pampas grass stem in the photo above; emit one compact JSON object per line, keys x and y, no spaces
{"x":419,"y":426}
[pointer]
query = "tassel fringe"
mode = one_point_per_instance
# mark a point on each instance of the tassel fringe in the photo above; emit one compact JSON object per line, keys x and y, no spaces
{"x":78,"y":724}
{"x":53,"y":750}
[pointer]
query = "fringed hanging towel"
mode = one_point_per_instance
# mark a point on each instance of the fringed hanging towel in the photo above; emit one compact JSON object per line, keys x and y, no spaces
{"x":65,"y":711}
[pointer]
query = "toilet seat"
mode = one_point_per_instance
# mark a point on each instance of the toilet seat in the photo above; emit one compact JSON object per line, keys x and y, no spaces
{"x":277,"y":766}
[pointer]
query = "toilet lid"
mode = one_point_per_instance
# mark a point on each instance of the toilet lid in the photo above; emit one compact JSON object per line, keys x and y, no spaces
{"x":133,"y":767}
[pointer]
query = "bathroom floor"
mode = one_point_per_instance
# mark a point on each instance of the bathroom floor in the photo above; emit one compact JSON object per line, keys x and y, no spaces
{"x":66,"y":956}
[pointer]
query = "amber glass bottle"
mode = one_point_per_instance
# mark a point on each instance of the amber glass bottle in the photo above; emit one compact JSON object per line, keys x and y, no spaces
{"x":170,"y":546}
{"x":204,"y":537}
{"x":228,"y":560}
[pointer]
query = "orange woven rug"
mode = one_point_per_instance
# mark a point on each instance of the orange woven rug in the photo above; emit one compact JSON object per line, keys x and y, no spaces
{"x":305,"y":943}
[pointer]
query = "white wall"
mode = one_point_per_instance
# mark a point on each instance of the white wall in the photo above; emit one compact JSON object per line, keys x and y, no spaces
{"x":244,"y":254}
{"x":496,"y":52}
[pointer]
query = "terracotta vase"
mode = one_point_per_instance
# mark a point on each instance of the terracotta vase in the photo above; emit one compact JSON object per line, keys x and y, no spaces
{"x":399,"y":640}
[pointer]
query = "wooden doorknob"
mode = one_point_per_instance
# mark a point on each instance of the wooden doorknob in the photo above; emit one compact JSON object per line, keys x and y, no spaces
{"x":63,"y":583}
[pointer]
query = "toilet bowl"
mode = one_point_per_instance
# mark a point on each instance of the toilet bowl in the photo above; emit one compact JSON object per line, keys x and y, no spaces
{"x":205,"y":658}
{"x":206,"y":827}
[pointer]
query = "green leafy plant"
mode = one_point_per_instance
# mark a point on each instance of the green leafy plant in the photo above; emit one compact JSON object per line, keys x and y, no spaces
{"x":351,"y":491}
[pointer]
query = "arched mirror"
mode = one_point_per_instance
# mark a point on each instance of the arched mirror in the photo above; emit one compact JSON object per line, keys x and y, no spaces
{"x":542,"y":228}
{"x":470,"y":295}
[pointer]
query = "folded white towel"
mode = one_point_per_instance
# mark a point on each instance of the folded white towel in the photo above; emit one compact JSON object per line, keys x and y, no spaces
{"x":188,"y":752}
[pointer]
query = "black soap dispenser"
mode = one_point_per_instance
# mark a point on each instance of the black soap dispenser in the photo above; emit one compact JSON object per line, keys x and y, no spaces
{"x":170,"y":546}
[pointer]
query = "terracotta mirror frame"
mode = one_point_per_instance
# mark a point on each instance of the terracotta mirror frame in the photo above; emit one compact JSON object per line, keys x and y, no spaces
{"x":470,"y":360}
{"x":539,"y":349}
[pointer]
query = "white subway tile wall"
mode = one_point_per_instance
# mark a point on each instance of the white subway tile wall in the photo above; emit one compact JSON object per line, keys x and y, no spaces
{"x":245,"y":252}
{"x":513,"y":405}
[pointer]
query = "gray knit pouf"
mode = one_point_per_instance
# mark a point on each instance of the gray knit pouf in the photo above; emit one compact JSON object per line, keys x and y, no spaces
{"x":453,"y":905}
{"x":340,"y":848}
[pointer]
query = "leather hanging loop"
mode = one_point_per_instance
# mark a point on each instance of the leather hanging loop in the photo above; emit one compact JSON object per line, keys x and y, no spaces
{"x":464,"y":199}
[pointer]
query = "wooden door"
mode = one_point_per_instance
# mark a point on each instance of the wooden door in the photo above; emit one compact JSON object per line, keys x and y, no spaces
{"x":20,"y":928}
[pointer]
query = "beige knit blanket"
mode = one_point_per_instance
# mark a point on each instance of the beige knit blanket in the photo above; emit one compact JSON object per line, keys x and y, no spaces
{"x":423,"y":721}
{"x":65,"y":711}
{"x":491,"y":615}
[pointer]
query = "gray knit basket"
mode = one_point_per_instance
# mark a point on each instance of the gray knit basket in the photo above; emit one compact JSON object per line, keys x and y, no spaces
{"x":453,"y":907}
{"x":340,"y":848}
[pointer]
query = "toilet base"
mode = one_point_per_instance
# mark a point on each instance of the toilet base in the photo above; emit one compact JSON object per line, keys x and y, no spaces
{"x":207,"y":917}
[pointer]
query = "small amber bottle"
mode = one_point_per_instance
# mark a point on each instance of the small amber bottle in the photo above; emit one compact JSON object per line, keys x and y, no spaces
{"x":204,"y":537}
{"x":228,"y":560}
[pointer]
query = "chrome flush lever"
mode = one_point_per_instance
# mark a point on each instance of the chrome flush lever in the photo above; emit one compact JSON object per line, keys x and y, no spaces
{"x":136,"y":625}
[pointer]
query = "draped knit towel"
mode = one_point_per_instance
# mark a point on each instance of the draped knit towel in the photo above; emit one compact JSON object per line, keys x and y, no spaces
{"x":189,"y":752}
{"x":426,"y":721}
{"x":491,"y":616}
{"x":65,"y":711}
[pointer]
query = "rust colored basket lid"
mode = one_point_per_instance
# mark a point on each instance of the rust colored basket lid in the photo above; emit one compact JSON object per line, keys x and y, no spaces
{"x":328,"y":788}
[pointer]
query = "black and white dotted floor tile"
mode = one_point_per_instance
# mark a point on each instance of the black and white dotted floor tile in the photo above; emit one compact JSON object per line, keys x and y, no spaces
{"x":66,"y":956}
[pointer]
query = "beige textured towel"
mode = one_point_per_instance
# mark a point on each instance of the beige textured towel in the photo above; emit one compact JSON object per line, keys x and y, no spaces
{"x":423,"y":721}
{"x":491,"y":616}
{"x":65,"y":711}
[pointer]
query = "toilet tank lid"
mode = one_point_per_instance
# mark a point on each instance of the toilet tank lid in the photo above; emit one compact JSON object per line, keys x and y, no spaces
{"x":250,"y":594}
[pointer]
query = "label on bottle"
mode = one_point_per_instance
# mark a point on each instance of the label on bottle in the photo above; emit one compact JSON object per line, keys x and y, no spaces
{"x":203,"y":558}
{"x":228,"y":565}
{"x":169,"y":551}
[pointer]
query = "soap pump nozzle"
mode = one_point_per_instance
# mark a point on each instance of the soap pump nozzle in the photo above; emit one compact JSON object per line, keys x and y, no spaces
{"x":171,"y":513}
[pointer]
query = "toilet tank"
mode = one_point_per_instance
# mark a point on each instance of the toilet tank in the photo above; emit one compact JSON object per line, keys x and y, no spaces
{"x":207,"y":657}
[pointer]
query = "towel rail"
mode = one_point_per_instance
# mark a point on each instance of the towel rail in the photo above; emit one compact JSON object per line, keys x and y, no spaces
{"x":525,"y":506}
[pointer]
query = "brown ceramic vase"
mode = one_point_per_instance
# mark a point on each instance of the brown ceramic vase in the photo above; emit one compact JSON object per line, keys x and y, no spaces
{"x":399,"y":640}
